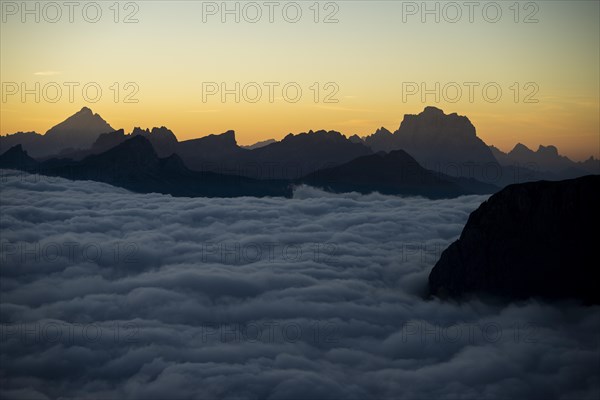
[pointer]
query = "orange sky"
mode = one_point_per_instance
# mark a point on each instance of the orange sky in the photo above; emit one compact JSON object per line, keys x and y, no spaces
{"x":364,"y":71}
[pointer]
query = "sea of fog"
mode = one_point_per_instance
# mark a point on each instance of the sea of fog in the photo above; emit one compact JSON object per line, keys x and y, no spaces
{"x":110,"y":294}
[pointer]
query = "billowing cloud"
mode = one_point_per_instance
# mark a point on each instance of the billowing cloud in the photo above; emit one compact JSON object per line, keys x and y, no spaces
{"x":109,"y":294}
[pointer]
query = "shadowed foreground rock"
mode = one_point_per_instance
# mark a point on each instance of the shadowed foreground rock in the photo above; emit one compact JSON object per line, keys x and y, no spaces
{"x":531,"y":239}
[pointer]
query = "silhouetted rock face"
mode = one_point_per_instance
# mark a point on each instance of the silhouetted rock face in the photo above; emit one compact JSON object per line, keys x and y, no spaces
{"x":381,"y":140}
{"x":134,"y":154}
{"x":260,"y":144}
{"x":17,"y":158}
{"x":523,"y":154}
{"x":546,"y":159}
{"x":135,"y":165}
{"x":433,"y":121}
{"x":209,"y":152}
{"x":79,"y":130}
{"x":163,"y":139}
{"x":531,"y":239}
{"x":76,"y":133}
{"x":30,"y":142}
{"x":388,"y":173}
{"x":433,"y":137}
{"x":298,"y":155}
{"x":108,"y":140}
{"x":356,"y":139}
{"x":592,"y":165}
{"x":437,"y":141}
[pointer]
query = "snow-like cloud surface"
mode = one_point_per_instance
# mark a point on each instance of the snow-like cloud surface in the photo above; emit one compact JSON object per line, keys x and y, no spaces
{"x":109,"y":294}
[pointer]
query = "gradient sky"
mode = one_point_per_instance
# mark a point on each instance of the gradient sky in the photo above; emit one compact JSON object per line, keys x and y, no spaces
{"x":370,"y":53}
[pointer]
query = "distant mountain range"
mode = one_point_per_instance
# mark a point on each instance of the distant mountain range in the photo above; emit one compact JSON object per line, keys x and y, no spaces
{"x":134,"y":165}
{"x":79,"y":131}
{"x":546,"y":159}
{"x":449,"y":144}
{"x":431,"y":154}
{"x":260,"y":144}
{"x":395,"y":173}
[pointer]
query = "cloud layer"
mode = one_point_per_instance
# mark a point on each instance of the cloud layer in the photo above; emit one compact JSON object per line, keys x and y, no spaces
{"x":109,"y":294}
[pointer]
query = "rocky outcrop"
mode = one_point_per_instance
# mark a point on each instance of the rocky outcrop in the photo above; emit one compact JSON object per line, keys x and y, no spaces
{"x":531,"y":239}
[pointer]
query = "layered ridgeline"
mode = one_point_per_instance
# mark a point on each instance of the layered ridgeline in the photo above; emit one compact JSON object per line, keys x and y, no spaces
{"x":134,"y":165}
{"x":394,"y":173}
{"x":449,"y":144}
{"x":531,"y":239}
{"x":79,"y":131}
{"x":546,"y":159}
{"x":290,"y":158}
{"x":445,"y":146}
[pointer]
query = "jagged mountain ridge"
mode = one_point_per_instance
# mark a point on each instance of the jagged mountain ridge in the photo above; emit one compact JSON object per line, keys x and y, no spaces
{"x":446,"y":144}
{"x":77,"y":132}
{"x":546,"y":158}
{"x":135,"y":165}
{"x":393,"y":173}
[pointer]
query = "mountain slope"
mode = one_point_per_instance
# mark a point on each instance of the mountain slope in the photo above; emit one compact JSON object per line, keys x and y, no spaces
{"x":298,"y":155}
{"x":79,"y":131}
{"x":546,"y":159}
{"x":211,"y":153}
{"x":394,"y":173}
{"x":436,"y":140}
{"x":260,"y":144}
{"x":134,"y":165}
{"x":532,"y":239}
{"x":30,"y":141}
{"x":17,"y":158}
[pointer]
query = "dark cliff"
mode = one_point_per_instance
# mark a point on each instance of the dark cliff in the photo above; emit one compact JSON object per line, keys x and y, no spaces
{"x":535,"y":239}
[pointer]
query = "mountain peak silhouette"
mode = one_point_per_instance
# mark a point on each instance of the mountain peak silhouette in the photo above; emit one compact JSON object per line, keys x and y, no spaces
{"x":520,"y":148}
{"x":436,"y":140}
{"x":135,"y":153}
{"x":393,"y":173}
{"x":229,"y":136}
{"x":432,"y":123}
{"x":80,"y":130}
{"x":226,"y":139}
{"x":431,"y":110}
{"x":17,"y":158}
{"x":139,"y":131}
{"x":383,"y":131}
{"x":320,"y":136}
{"x":548,"y":150}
